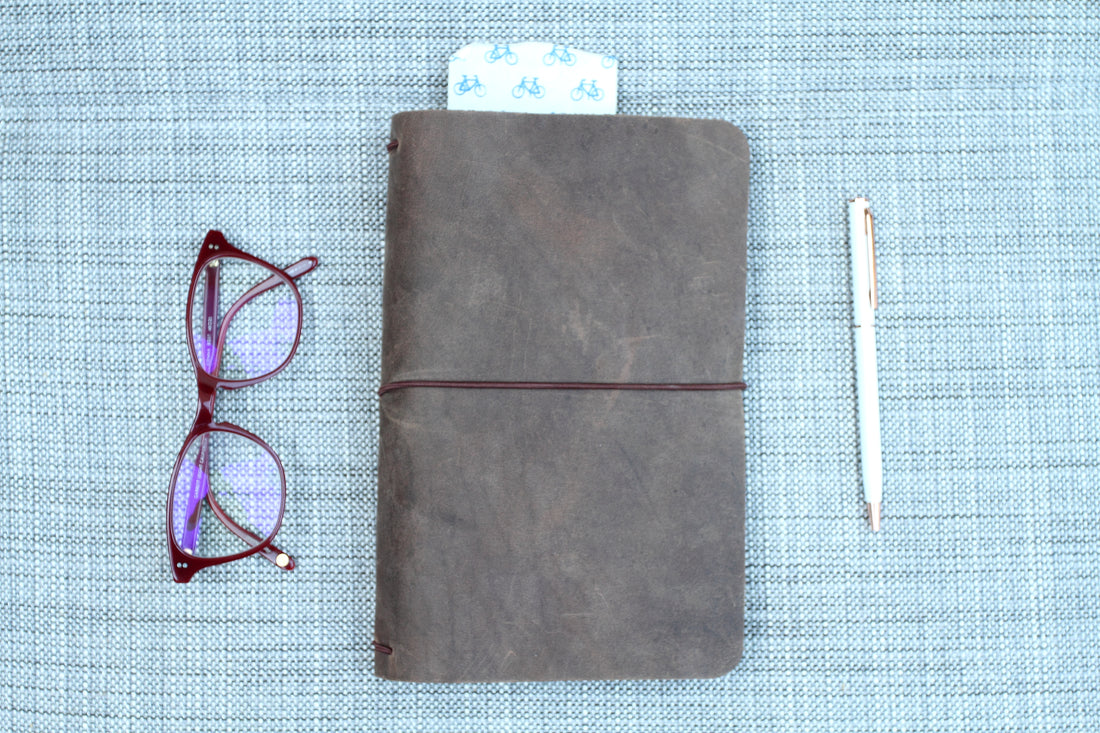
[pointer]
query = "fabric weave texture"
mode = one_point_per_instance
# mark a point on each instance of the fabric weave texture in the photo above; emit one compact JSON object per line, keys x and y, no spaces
{"x":129,"y":130}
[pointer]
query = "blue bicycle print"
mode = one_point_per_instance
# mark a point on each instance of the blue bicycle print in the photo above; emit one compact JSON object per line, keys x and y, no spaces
{"x":470,"y":85}
{"x":534,"y":88}
{"x":608,"y":61}
{"x":499,"y":52}
{"x":589,"y":89}
{"x":559,"y":53}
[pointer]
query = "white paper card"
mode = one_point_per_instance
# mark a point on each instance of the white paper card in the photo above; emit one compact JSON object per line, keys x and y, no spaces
{"x":532,"y":77}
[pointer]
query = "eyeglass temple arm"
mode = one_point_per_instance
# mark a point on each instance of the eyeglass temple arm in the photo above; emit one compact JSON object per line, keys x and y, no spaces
{"x":295,"y":271}
{"x":194,"y":505}
{"x":201,"y":472}
{"x":199,"y":488}
{"x":270,"y":553}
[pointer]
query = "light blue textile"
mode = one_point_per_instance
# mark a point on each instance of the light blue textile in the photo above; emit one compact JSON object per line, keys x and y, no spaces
{"x":129,"y":129}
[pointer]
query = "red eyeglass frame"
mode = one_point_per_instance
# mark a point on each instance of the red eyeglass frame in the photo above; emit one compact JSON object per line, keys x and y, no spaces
{"x":215,"y":247}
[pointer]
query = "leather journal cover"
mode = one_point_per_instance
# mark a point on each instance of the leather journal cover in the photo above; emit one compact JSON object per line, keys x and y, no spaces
{"x":562,"y":468}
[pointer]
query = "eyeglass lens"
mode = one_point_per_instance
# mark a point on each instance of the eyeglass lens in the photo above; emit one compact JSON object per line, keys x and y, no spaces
{"x":255,"y":313}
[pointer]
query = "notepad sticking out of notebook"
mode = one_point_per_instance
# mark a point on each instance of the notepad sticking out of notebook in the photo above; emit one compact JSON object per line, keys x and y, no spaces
{"x":562,"y":466}
{"x":532,"y":76}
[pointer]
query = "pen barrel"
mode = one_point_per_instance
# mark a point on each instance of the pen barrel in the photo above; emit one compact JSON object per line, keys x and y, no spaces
{"x":870,"y":440}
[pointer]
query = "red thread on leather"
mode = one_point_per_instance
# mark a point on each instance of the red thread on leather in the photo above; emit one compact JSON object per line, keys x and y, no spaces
{"x":391,"y":145}
{"x":380,"y":647}
{"x":660,"y":386}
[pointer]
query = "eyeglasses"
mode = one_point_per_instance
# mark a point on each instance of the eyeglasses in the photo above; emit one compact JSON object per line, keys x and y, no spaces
{"x":244,"y":319}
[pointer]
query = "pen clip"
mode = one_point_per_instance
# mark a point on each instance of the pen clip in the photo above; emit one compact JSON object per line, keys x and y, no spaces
{"x":869,"y":232}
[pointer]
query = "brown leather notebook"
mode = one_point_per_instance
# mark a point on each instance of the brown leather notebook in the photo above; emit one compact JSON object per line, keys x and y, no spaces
{"x":561,"y":469}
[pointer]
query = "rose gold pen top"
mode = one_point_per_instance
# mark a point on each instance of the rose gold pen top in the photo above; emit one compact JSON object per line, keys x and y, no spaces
{"x":874,"y":514}
{"x":869,"y":230}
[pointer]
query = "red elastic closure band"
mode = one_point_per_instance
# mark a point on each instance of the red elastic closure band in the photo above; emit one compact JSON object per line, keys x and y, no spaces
{"x":660,"y":386}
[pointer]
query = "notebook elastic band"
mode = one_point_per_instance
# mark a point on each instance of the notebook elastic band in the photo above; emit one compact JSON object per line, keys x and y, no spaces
{"x":660,"y":386}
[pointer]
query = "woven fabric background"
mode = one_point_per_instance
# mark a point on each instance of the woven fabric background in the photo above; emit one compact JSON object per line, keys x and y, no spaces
{"x":129,"y":129}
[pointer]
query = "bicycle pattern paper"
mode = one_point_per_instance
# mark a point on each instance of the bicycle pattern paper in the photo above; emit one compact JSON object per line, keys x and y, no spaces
{"x":532,"y":77}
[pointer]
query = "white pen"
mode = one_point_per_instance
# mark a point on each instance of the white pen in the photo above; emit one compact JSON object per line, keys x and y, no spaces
{"x":861,"y":234}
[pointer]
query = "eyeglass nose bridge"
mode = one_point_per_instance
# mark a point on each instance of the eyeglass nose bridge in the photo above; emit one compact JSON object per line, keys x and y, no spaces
{"x":208,"y":395}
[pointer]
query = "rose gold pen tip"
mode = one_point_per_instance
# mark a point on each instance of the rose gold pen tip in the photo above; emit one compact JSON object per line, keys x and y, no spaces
{"x":874,"y":513}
